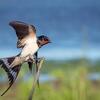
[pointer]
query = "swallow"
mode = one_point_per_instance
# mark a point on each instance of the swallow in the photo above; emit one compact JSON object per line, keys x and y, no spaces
{"x":27,"y":40}
{"x":29,"y":44}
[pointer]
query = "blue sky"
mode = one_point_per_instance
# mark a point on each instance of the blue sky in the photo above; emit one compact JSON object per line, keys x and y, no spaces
{"x":72,"y":25}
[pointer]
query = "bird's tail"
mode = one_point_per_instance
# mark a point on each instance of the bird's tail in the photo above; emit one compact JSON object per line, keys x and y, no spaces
{"x":12,"y":72}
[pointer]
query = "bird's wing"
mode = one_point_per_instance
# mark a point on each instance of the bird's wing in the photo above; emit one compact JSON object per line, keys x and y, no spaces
{"x":23,"y":30}
{"x":12,"y":73}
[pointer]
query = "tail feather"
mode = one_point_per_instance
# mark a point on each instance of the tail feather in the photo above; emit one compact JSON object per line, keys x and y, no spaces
{"x":12,"y":73}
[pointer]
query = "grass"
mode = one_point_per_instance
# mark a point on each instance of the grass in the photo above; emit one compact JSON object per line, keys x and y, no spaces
{"x":71,"y":82}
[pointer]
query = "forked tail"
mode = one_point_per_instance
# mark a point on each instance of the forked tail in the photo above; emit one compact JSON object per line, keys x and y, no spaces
{"x":12,"y":73}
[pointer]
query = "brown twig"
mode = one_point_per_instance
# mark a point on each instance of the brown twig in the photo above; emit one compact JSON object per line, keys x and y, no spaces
{"x":36,"y":78}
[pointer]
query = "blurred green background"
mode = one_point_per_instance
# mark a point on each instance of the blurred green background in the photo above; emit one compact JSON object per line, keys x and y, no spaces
{"x":63,"y":80}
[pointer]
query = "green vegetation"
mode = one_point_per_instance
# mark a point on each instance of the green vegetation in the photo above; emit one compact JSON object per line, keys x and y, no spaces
{"x":71,"y":82}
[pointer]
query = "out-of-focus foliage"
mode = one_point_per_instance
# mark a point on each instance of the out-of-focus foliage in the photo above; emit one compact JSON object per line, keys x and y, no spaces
{"x":71,"y":82}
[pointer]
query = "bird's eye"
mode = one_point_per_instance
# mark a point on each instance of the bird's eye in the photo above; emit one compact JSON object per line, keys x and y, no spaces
{"x":45,"y":39}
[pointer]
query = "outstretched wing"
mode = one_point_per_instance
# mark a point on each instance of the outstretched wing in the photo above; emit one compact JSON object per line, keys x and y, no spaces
{"x":11,"y":72}
{"x":23,"y":30}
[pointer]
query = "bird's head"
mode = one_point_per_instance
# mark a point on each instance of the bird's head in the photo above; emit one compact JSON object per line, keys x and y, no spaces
{"x":42,"y":40}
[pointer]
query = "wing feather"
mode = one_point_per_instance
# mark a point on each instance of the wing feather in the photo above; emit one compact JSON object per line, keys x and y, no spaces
{"x":12,"y":73}
{"x":23,"y":30}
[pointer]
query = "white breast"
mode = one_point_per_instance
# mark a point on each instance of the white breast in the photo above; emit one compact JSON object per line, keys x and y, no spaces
{"x":30,"y":48}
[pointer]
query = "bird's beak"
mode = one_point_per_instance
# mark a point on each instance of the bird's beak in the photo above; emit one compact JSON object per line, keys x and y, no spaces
{"x":50,"y":41}
{"x":11,"y":23}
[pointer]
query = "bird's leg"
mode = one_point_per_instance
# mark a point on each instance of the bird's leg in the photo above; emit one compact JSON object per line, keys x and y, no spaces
{"x":31,"y":59}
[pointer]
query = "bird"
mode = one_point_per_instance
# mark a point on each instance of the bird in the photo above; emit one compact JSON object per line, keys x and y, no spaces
{"x":29,"y":44}
{"x":27,"y":40}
